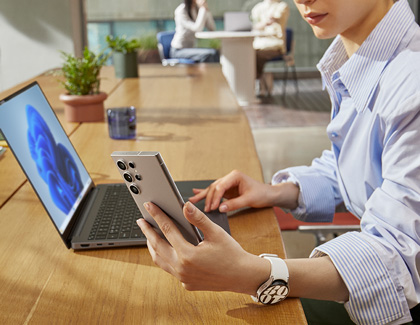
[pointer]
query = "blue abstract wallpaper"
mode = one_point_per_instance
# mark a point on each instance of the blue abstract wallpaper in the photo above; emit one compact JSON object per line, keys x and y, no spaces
{"x":53,"y":161}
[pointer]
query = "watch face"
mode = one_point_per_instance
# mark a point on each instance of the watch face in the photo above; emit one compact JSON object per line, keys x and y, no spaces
{"x":275,"y":293}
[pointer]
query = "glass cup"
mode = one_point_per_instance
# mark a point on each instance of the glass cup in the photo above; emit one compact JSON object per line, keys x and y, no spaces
{"x":122,"y":122}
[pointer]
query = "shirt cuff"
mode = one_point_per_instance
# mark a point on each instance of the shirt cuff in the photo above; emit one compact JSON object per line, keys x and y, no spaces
{"x":374,"y":298}
{"x":316,"y":198}
{"x":287,"y":177}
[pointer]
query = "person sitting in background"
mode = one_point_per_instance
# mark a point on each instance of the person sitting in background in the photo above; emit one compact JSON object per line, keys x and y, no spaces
{"x":270,"y":17}
{"x":191,"y":17}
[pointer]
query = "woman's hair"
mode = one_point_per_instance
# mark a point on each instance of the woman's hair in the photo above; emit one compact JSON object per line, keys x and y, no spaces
{"x":188,"y":5}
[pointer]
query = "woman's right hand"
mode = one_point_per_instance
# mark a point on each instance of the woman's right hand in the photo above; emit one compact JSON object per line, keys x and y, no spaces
{"x":201,"y":3}
{"x":241,"y":191}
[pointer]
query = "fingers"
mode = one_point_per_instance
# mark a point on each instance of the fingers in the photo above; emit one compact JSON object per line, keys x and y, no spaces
{"x":202,"y":3}
{"x":158,"y":260}
{"x":207,"y":194}
{"x":198,"y":190}
{"x":219,"y":190}
{"x":200,"y":220}
{"x":155,"y":239}
{"x":162,"y":253}
{"x":168,"y":228}
{"x":216,"y":191}
{"x":233,"y":204}
{"x":199,"y":195}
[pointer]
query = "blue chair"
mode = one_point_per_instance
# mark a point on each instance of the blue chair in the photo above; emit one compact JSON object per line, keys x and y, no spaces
{"x":289,"y":62}
{"x":164,"y":46}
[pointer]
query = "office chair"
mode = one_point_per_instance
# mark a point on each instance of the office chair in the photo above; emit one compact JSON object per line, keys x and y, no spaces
{"x":342,"y":222}
{"x":289,"y":62}
{"x":164,"y":46}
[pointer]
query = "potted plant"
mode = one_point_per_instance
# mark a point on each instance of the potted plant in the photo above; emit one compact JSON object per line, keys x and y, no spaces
{"x":124,"y":54}
{"x":83,"y":101}
{"x":148,"y":52}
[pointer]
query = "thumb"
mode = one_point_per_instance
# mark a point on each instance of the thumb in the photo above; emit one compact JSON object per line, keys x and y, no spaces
{"x":200,"y":220}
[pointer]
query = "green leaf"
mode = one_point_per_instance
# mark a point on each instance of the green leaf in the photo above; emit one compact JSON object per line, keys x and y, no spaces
{"x":82,"y":74}
{"x":122,"y":44}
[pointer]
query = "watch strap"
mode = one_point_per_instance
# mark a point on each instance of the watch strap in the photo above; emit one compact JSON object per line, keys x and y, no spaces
{"x":279,"y":271}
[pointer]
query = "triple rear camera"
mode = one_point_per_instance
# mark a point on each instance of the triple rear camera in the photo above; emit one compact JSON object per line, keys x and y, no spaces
{"x":128,"y":177}
{"x":121,"y":165}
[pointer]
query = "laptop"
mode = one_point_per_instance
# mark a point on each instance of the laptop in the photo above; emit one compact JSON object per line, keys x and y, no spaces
{"x":77,"y":207}
{"x":237,"y":21}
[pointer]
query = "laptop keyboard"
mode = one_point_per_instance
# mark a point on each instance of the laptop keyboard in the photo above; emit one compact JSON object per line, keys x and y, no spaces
{"x":117,"y":216}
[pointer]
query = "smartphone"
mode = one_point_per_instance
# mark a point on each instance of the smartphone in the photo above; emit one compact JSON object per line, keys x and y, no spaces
{"x":148,"y":180}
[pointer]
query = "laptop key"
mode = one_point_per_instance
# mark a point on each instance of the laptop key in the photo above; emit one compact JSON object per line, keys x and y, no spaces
{"x":137,"y":234}
{"x":125,"y":234}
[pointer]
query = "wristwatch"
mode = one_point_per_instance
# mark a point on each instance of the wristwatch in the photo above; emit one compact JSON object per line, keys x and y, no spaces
{"x":276,"y":288}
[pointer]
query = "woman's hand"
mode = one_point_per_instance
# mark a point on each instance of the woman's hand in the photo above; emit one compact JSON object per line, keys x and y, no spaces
{"x":201,"y":3}
{"x":242,"y":191}
{"x":218,"y":263}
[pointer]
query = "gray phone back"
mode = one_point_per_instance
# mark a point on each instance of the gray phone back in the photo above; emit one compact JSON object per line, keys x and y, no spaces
{"x":149,"y":180}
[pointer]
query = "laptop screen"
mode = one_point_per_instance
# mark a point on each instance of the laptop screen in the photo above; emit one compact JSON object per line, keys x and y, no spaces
{"x":45,"y":153}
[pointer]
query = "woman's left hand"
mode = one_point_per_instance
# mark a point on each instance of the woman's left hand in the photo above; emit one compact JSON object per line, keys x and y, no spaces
{"x":218,"y":263}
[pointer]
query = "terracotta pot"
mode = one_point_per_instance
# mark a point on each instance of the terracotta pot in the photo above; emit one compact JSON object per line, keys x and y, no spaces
{"x":87,"y":108}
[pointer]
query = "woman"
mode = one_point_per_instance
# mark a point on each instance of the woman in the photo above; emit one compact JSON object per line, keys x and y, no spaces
{"x":191,"y":17}
{"x":371,"y":71}
{"x":269,"y":16}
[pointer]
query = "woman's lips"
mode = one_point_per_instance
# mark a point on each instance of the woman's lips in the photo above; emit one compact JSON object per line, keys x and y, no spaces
{"x":314,"y":18}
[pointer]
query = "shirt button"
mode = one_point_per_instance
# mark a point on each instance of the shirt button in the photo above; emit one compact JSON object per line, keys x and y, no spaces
{"x":334,"y":135}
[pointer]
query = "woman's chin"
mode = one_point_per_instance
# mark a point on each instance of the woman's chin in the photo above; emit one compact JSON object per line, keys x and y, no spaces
{"x":322,"y":34}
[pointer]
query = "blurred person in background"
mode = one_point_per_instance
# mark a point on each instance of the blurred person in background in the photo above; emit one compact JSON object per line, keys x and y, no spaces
{"x":190,"y":17}
{"x":270,"y":17}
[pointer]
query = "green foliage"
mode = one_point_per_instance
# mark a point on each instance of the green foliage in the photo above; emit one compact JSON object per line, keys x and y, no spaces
{"x":209,"y":43}
{"x":122,"y":44}
{"x":82,"y":74}
{"x":148,"y":42}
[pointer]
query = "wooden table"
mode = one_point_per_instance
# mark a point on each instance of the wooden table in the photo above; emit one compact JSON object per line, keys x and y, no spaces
{"x":191,"y":117}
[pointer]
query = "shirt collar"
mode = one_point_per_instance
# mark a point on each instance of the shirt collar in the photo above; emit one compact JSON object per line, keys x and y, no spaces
{"x":361,"y":73}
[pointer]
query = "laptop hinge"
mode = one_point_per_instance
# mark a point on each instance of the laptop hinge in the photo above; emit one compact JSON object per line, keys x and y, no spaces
{"x":83,"y":212}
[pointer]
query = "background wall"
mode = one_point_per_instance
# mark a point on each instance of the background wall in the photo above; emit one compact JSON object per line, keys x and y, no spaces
{"x":31,"y":35}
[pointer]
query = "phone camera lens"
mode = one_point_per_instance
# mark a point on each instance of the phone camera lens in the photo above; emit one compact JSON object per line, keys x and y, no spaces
{"x":134,"y":189}
{"x":128,"y":177}
{"x":138,"y":177}
{"x":131,"y":164}
{"x":121,"y":165}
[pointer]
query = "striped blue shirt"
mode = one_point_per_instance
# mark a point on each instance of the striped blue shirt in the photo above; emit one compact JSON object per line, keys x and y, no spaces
{"x":373,"y":167}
